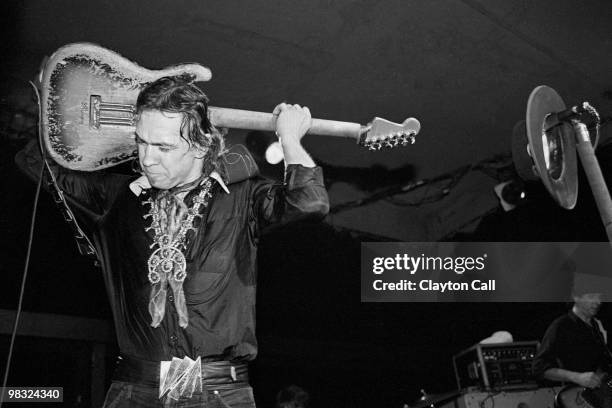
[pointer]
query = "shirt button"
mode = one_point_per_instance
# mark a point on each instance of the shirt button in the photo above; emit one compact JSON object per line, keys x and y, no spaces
{"x":173,"y":339}
{"x":171,"y":298}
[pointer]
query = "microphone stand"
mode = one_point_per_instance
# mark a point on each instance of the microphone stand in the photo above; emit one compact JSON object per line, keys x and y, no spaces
{"x":594,"y":175}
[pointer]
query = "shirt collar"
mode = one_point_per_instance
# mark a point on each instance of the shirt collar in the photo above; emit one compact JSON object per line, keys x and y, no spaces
{"x":577,"y":319}
{"x":142,"y":183}
{"x":573,"y":316}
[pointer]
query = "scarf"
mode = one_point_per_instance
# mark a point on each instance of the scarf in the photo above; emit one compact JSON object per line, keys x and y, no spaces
{"x":173,"y":213}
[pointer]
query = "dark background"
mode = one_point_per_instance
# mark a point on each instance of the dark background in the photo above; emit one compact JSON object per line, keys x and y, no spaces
{"x":463,"y":68}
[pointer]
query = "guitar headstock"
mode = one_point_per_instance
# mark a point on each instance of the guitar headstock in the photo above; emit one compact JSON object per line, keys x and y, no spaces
{"x":383,"y":133}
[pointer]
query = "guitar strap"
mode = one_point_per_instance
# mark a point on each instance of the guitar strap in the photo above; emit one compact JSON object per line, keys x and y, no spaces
{"x":602,"y":331}
{"x":84,"y":244}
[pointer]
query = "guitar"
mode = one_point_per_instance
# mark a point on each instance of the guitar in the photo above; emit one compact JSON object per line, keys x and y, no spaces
{"x":575,"y":396}
{"x":88,"y":112}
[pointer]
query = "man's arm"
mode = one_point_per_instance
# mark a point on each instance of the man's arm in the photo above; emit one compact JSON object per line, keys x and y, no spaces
{"x":292,"y":123}
{"x":588,"y":379}
{"x":303,"y":194}
{"x":89,"y":194}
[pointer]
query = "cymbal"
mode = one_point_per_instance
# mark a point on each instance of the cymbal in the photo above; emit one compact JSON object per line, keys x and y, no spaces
{"x":427,"y":400}
{"x":552,"y":145}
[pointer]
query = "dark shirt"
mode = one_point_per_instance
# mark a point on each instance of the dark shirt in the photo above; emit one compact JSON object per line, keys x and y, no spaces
{"x":571,"y":344}
{"x":221,"y":257}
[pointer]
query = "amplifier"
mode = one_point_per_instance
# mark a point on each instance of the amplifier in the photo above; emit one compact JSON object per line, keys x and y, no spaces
{"x":499,"y":366}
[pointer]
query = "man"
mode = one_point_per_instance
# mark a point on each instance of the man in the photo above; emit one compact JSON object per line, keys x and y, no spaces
{"x":177,"y":248}
{"x":574,"y":346}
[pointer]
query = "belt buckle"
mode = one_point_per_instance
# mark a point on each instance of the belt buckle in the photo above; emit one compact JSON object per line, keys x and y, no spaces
{"x":180,"y":378}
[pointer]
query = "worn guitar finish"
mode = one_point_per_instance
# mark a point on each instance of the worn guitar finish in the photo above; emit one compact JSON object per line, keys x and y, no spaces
{"x":88,"y":113}
{"x":88,"y":94}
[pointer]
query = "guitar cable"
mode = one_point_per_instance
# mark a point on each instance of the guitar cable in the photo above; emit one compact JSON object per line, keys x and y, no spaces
{"x":28,"y":252}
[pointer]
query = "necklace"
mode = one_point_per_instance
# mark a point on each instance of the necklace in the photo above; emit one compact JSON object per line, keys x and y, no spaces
{"x":168,"y":259}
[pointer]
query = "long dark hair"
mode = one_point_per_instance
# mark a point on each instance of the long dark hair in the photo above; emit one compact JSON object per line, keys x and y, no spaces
{"x":178,"y":95}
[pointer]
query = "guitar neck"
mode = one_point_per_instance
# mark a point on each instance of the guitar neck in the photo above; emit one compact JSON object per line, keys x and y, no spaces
{"x":244,"y":119}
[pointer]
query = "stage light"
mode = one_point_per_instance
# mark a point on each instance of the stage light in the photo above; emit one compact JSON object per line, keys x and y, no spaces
{"x":274,"y":153}
{"x":265,"y":146}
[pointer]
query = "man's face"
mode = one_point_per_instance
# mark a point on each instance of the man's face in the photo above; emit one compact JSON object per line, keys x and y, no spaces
{"x":165,"y":157}
{"x":588,"y":303}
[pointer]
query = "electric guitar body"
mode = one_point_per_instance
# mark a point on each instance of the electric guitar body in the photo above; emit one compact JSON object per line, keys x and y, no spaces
{"x":88,"y":97}
{"x":574,"y":396}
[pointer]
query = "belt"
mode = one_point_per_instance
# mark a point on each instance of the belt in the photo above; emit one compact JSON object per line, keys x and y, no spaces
{"x":215,"y":374}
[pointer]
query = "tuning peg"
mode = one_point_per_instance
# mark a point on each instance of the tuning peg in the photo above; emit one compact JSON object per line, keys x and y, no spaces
{"x":370,"y":144}
{"x":391,"y":141}
{"x":408,"y":138}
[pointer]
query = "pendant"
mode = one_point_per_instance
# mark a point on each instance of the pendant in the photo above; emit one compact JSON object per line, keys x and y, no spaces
{"x":169,"y":260}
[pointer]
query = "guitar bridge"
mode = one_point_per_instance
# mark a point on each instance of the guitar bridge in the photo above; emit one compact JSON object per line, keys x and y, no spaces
{"x":106,"y":113}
